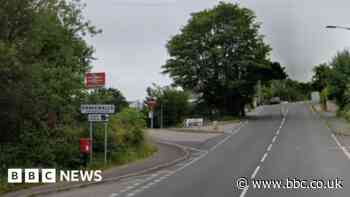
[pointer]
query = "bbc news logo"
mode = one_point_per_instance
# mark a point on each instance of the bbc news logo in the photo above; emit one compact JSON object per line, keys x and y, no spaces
{"x":32,"y":175}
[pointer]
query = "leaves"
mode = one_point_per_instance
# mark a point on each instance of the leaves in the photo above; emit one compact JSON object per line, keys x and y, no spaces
{"x":43,"y":59}
{"x":173,"y":104}
{"x":219,"y":54}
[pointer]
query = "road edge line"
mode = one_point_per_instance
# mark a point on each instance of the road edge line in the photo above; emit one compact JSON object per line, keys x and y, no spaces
{"x":334,"y":137}
{"x":118,"y":178}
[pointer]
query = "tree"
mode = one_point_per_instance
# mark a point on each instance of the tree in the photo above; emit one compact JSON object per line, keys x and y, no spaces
{"x":219,"y":55}
{"x":288,"y":90}
{"x":172,"y":105}
{"x":340,"y":79}
{"x":108,"y":96}
{"x":43,"y":61}
{"x":322,"y":74}
{"x":278,"y":72}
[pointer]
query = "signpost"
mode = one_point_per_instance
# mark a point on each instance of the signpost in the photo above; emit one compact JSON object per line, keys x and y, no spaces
{"x":98,"y":117}
{"x":95,"y":80}
{"x":97,"y":112}
{"x":151,"y":104}
{"x":97,"y":109}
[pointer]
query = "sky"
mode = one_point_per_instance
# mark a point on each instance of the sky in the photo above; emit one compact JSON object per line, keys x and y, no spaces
{"x":131,"y":49}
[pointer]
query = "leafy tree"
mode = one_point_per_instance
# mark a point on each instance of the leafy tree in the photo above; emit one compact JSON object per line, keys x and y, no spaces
{"x":219,"y":55}
{"x":108,"y":96}
{"x":173,"y":104}
{"x":340,"y":79}
{"x":321,"y":77}
{"x":43,"y":61}
{"x":288,"y":90}
{"x":277,"y":71}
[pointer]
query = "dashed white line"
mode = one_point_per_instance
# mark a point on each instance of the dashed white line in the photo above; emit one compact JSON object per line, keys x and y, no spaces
{"x":278,"y":132}
{"x":255,"y":172}
{"x":184,"y":166}
{"x":263,"y":158}
{"x":274,"y":139}
{"x":245,"y":190}
{"x":131,"y":194}
{"x":228,"y":137}
{"x":269,"y":148}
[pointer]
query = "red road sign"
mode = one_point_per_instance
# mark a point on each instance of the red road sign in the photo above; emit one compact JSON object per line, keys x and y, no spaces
{"x":151,"y":104}
{"x":95,"y":80}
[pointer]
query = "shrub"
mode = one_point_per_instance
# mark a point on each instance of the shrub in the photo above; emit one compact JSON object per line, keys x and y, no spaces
{"x":127,"y":126}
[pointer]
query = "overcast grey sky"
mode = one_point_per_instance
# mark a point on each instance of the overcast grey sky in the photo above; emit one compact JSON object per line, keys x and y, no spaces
{"x":131,"y":48}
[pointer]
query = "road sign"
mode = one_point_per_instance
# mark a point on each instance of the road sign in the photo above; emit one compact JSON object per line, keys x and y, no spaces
{"x":151,"y":104}
{"x":194,"y":122}
{"x":150,"y":114}
{"x":97,"y":109}
{"x":95,"y":80}
{"x":98,"y":117}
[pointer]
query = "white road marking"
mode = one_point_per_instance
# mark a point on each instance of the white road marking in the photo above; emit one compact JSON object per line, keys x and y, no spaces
{"x":255,"y":172}
{"x":229,"y":136}
{"x":204,"y":153}
{"x":145,"y":187}
{"x":274,"y":139}
{"x":278,"y":132}
{"x":114,"y":195}
{"x":244,"y":192}
{"x":269,"y":148}
{"x":131,"y":194}
{"x":346,"y":152}
{"x":130,"y":187}
{"x":263,"y":158}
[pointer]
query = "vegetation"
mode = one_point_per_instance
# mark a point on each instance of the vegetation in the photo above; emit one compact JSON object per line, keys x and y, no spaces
{"x":43,"y":59}
{"x":220,"y":56}
{"x":108,"y":96}
{"x":173,"y":105}
{"x":333,"y":80}
{"x":286,"y":90}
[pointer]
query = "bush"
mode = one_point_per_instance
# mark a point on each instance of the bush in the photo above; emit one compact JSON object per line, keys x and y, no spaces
{"x":128,"y":126}
{"x":126,"y":138}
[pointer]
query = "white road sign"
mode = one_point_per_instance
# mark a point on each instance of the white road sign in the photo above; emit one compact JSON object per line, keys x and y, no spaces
{"x":194,"y":122}
{"x":97,"y":109}
{"x":97,"y":117}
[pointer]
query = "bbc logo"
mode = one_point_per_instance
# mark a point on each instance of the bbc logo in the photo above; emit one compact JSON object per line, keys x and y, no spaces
{"x":31,"y":175}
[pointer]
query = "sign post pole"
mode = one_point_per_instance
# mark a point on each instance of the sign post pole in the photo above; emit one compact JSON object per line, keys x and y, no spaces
{"x":91,"y":142}
{"x":151,"y":104}
{"x":151,"y":117}
{"x":106,"y":127}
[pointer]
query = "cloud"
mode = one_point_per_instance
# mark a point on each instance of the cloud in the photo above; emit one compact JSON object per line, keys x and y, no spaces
{"x":132,"y":47}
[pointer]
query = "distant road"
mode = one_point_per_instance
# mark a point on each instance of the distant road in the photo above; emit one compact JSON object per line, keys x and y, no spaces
{"x":297,"y":146}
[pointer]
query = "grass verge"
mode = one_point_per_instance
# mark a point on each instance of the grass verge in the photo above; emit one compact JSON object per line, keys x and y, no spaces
{"x":117,"y":159}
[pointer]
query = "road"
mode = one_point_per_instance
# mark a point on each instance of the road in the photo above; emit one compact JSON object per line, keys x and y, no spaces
{"x":267,"y":147}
